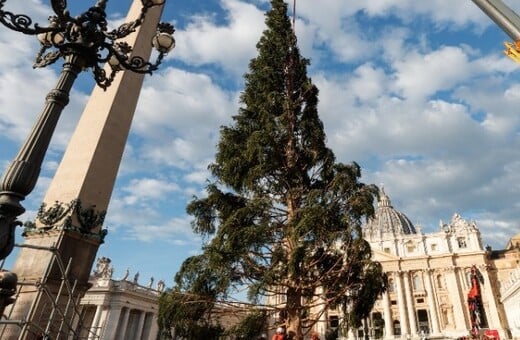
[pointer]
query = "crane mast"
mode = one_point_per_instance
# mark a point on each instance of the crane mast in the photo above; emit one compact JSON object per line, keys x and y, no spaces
{"x":507,"y":20}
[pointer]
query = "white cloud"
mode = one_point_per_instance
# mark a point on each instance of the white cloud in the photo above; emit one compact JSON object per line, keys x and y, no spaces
{"x":179,"y":115}
{"x":230,"y":46}
{"x":145,"y":189}
{"x":419,"y":75}
{"x":176,"y":231}
{"x":198,"y":177}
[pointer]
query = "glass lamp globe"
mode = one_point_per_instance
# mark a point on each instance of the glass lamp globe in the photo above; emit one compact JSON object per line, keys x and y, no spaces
{"x":163,"y":42}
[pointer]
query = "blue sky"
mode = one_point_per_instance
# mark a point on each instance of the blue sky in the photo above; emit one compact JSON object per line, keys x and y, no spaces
{"x":418,"y":93}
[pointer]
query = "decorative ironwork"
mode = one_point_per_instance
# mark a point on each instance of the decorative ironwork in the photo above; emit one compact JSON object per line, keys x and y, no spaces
{"x":87,"y":35}
{"x":8,"y":282}
{"x":60,"y":216}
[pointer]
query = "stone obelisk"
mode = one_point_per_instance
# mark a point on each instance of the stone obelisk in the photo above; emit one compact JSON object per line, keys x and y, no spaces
{"x":68,"y":230}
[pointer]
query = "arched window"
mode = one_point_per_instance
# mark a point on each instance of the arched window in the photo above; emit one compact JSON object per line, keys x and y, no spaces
{"x":391,"y":285}
{"x":410,"y":247}
{"x":467,"y":276}
{"x":440,"y":281}
{"x":397,"y":327}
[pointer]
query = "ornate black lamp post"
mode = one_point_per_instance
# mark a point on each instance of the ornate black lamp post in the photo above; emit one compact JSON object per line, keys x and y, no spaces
{"x":84,"y":43}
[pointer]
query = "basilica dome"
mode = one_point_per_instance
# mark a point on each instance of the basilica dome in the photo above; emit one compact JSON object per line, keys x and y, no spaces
{"x":387,"y":220}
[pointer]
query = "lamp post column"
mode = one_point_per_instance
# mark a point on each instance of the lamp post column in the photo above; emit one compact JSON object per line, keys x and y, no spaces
{"x":21,"y":175}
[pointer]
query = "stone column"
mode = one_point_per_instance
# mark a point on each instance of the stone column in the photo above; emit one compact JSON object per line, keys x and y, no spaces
{"x":410,"y":304}
{"x":95,"y":323}
{"x":102,"y":323}
{"x":124,"y":325}
{"x":321,"y":326}
{"x":139,"y":330}
{"x":491,"y":313}
{"x":154,"y":329}
{"x":401,"y":300}
{"x":389,"y":329}
{"x":454,"y":288}
{"x":432,"y":304}
{"x":112,"y":322}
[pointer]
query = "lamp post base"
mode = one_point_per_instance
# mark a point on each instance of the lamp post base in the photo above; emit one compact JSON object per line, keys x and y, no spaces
{"x":10,"y":209}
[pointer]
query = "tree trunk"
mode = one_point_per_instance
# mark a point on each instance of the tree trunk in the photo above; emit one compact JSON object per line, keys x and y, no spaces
{"x":294,"y":320}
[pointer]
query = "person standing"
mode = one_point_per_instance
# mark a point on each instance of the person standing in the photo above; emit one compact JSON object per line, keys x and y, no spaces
{"x":279,"y":335}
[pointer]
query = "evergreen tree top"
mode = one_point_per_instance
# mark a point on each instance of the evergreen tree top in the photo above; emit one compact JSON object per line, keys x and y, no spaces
{"x":277,"y":126}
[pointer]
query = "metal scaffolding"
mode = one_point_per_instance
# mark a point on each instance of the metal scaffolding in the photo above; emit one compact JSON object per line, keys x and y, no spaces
{"x":65,"y":317}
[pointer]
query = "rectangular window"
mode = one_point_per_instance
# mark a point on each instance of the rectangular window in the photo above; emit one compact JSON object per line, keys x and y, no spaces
{"x":334,"y":321}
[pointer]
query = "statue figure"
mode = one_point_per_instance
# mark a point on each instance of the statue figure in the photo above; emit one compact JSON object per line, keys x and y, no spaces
{"x":127,"y":272}
{"x":160,"y":286}
{"x":151,"y":282}
{"x":136,"y":278}
{"x":103,"y":268}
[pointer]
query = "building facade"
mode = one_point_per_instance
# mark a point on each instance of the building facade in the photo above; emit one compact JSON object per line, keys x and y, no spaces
{"x":430,"y":277}
{"x":506,"y":264}
{"x":119,"y":309}
{"x":511,"y":300}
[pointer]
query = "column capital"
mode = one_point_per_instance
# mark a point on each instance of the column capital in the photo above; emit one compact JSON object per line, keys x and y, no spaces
{"x":483,"y":267}
{"x":448,"y":269}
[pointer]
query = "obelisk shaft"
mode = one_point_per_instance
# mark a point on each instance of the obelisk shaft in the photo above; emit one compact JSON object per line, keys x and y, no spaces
{"x":90,"y":164}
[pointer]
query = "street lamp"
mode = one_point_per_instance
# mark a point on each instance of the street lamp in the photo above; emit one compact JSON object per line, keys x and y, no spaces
{"x":85,"y":43}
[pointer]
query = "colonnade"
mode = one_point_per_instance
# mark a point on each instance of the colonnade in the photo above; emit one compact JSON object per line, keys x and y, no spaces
{"x":122,"y":323}
{"x":426,"y":303}
{"x":440,"y":297}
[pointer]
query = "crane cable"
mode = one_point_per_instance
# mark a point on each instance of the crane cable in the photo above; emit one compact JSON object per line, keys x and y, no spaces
{"x":294,"y":16}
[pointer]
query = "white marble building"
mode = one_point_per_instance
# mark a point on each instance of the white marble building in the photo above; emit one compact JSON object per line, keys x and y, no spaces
{"x":429,"y":280}
{"x":511,"y":299}
{"x":507,"y":265}
{"x":429,"y":277}
{"x":119,"y":309}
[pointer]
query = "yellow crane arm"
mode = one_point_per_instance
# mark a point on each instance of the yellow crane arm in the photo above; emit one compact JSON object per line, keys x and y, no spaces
{"x":513,"y":50}
{"x":508,"y":20}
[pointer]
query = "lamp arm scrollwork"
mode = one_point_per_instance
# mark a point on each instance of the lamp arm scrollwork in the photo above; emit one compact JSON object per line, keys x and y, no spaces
{"x":84,"y":43}
{"x":59,"y":6}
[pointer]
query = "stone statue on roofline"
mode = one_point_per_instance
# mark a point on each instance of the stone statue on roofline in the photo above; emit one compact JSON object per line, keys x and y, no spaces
{"x":127,"y":273}
{"x":160,"y":286}
{"x":103,"y":269}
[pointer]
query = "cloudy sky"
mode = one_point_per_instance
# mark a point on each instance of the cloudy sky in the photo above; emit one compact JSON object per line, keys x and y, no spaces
{"x":418,"y":93}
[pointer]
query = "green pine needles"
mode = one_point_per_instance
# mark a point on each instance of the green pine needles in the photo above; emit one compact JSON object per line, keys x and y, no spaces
{"x":282,"y":218}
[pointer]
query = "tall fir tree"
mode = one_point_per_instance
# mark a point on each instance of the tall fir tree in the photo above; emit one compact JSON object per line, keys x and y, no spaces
{"x":283,"y":217}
